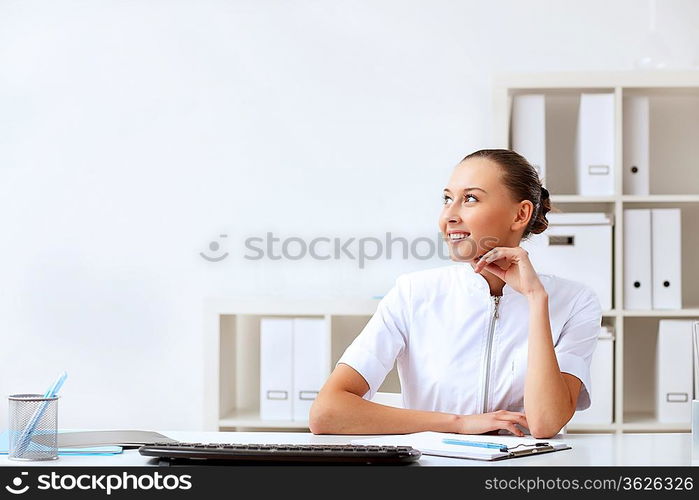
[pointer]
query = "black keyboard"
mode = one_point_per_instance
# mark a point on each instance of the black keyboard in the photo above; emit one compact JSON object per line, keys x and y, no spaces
{"x":287,"y":453}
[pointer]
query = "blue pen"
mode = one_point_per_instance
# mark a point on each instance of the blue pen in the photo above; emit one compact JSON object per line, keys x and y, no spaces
{"x":26,"y":436}
{"x":479,"y":444}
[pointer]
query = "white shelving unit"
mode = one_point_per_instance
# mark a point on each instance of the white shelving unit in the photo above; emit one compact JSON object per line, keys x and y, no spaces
{"x":674,"y":182}
{"x":232,"y":354}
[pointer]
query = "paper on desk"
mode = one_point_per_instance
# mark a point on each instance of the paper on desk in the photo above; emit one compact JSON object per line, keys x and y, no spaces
{"x":92,"y":450}
{"x":430,"y":443}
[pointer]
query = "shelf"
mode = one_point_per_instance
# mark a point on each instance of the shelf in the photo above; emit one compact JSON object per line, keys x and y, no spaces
{"x":251,"y":418}
{"x":544,"y":80}
{"x":577,"y":198}
{"x":635,"y":422}
{"x":575,"y":428}
{"x":660,"y":198}
{"x":661,"y":313}
{"x":640,"y":422}
{"x":627,"y":198}
{"x":293,"y":307}
{"x":646,"y":422}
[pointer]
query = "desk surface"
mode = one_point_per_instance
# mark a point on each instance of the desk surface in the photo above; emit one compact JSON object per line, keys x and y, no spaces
{"x":669,"y":449}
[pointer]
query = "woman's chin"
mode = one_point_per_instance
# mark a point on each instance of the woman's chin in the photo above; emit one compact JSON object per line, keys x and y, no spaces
{"x":458,"y":257}
{"x":463,"y":253}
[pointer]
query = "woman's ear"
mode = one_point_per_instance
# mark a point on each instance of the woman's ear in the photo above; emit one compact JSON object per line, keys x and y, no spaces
{"x":525,"y":212}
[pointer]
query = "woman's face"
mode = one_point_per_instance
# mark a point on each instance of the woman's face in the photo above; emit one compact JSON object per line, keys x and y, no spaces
{"x":479,"y":205}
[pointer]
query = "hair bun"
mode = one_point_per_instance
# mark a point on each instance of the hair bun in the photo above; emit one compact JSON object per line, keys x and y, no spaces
{"x":544,"y":193}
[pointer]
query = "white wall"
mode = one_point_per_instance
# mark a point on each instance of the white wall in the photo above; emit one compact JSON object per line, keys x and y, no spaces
{"x":132,"y":133}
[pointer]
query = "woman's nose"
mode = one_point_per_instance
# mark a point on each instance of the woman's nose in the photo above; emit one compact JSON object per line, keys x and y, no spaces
{"x":451,"y":215}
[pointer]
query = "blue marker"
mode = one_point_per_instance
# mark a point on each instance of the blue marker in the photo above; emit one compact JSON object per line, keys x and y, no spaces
{"x":479,"y":444}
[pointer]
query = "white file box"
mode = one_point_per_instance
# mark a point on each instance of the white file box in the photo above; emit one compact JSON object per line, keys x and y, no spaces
{"x":638,"y":287}
{"x":667,"y":258}
{"x":276,"y":383}
{"x":528,"y":130}
{"x":595,"y":145}
{"x":602,"y":380}
{"x":674,"y":370}
{"x":636,"y":176}
{"x":576,"y":246}
{"x":311,"y":360}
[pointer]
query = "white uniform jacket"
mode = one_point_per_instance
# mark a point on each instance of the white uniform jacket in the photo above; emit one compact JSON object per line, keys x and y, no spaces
{"x":461,"y":350}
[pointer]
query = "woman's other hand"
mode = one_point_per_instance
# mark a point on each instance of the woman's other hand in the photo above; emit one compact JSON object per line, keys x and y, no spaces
{"x":512,"y":265}
{"x":494,"y":421}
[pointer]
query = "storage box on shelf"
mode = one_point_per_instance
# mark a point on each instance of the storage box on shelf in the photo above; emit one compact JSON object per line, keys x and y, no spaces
{"x":584,"y":238}
{"x":654,"y":166}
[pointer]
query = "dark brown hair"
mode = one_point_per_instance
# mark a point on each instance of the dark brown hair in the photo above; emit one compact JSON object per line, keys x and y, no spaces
{"x":523,"y":182}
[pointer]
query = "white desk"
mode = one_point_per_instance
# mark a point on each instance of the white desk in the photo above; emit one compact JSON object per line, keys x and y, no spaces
{"x":668,"y":449}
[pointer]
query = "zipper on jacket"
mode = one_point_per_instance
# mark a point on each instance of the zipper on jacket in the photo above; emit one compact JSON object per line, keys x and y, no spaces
{"x":489,"y":349}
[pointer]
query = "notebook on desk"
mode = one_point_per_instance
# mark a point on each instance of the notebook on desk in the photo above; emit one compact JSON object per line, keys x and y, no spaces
{"x":123,"y":438}
{"x":433,"y":443}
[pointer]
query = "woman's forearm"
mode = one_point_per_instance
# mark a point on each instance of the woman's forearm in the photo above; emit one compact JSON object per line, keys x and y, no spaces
{"x":342,"y":412}
{"x":546,"y":395}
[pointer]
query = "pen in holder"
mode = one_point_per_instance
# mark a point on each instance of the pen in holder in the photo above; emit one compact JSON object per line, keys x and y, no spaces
{"x":32,"y":415}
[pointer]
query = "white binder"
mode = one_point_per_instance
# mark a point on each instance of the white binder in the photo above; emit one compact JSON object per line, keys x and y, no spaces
{"x":528,"y":130}
{"x":667,"y":258}
{"x":636,"y":160}
{"x":276,"y":384}
{"x":674,"y":371}
{"x":595,"y":145}
{"x":638,"y":287}
{"x":602,"y":380}
{"x":576,"y":246}
{"x":311,"y":363}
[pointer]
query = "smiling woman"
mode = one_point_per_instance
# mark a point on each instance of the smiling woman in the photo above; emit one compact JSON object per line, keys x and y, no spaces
{"x":482,"y":345}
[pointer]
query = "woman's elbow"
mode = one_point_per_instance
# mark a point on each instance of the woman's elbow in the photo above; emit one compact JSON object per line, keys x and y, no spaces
{"x":545,"y":430}
{"x":543,"y":433}
{"x":320,"y":419}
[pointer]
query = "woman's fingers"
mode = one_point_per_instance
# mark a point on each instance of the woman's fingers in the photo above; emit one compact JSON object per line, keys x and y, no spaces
{"x":494,"y":254}
{"x":523,"y":422}
{"x":513,"y":429}
{"x":518,"y":418}
{"x":508,"y":420}
{"x":496,"y":261}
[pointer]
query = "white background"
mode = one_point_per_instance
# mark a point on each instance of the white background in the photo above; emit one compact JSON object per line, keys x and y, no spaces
{"x":133,"y":133}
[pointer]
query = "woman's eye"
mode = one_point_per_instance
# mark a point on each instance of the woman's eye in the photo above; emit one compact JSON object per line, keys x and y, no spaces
{"x":447,"y":199}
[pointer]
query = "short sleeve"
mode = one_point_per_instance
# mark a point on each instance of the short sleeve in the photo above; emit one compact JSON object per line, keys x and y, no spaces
{"x":578,"y":341}
{"x":374,"y":351}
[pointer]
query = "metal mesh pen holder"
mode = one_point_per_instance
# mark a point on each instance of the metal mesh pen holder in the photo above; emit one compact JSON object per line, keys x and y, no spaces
{"x":33,"y":424}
